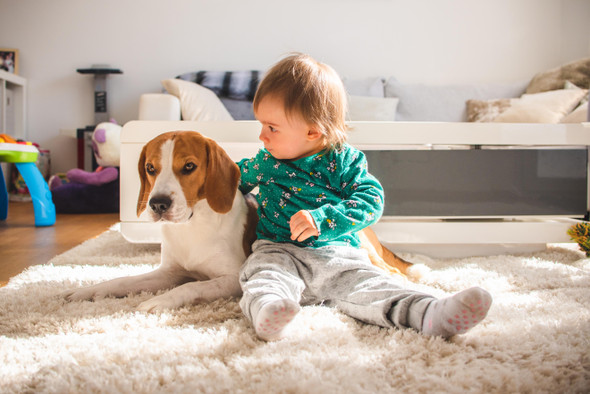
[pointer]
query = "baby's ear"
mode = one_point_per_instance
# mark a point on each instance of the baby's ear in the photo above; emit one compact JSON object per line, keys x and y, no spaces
{"x":314,"y":133}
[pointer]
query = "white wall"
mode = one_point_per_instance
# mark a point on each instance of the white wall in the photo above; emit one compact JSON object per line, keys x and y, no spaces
{"x":431,"y":41}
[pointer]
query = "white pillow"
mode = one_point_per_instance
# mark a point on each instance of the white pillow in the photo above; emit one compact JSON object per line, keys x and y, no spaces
{"x":196,"y":102}
{"x":546,"y":107}
{"x":365,"y":108}
{"x":578,"y":115}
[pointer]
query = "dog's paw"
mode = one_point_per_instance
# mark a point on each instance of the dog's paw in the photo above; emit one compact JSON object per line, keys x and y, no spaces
{"x":159,"y":304}
{"x":75,"y":295}
{"x":83,"y":294}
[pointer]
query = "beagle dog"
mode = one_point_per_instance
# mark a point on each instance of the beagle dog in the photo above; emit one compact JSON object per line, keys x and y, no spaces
{"x":190,"y":184}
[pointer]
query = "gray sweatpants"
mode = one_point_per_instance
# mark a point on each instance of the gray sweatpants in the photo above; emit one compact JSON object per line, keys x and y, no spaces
{"x":337,"y":276}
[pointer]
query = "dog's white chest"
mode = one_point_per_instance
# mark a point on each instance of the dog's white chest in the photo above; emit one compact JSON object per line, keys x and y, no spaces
{"x":209,"y":242}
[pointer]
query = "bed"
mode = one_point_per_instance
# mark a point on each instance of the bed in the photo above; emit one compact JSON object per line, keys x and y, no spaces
{"x":473,"y":169}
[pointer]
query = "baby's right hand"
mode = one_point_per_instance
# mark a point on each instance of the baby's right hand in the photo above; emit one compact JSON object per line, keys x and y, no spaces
{"x":302,"y":226}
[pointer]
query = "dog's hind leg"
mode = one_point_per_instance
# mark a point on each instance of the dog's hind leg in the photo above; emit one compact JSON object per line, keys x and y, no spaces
{"x":380,"y":256}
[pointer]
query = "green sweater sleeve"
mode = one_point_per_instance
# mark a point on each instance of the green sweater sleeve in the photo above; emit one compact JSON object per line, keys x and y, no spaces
{"x":248,"y":179}
{"x":361,"y":204}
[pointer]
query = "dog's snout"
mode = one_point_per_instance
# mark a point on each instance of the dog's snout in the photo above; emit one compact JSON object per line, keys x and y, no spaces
{"x":160,"y":204}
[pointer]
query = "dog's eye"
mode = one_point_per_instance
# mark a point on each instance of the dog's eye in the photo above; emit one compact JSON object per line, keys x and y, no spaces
{"x":189,"y":167}
{"x":149,"y":168}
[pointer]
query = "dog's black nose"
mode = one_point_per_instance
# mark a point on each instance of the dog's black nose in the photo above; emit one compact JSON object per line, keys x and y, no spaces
{"x":160,"y":204}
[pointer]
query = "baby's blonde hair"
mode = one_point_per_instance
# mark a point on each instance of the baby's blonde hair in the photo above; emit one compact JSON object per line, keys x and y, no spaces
{"x":310,"y":89}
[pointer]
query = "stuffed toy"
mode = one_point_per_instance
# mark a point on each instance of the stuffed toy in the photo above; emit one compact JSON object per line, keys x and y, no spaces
{"x":97,"y":191}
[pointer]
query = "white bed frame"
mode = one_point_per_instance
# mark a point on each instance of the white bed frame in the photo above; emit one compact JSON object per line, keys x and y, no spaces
{"x":440,"y":237}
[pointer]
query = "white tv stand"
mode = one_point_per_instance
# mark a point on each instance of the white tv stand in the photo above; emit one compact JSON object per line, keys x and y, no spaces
{"x":436,"y":236}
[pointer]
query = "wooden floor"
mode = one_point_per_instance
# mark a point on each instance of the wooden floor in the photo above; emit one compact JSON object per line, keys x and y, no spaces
{"x":22,"y":244}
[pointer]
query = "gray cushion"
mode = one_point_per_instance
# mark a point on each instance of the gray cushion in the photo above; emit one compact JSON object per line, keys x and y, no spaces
{"x":239,"y":109}
{"x":372,"y":86}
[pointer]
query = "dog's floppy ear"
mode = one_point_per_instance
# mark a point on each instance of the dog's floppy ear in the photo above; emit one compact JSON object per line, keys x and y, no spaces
{"x":222,"y":178}
{"x":144,"y":193}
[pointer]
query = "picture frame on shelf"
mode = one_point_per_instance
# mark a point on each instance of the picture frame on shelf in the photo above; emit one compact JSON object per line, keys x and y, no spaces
{"x":9,"y":60}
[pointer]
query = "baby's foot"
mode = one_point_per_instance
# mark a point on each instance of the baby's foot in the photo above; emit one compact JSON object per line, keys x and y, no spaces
{"x":456,"y":314}
{"x":272,"y":319}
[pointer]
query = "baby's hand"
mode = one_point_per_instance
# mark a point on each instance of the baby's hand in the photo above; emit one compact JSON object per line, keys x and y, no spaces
{"x":302,"y":226}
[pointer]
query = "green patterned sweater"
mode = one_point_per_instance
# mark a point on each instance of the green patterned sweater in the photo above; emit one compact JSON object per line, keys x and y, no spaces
{"x":334,"y":186}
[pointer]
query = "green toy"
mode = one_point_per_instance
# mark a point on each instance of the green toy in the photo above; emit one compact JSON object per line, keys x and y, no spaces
{"x":16,"y":153}
{"x":24,"y":154}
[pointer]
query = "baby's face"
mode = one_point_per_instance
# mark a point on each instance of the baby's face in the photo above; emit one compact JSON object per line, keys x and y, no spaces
{"x":286,"y":138}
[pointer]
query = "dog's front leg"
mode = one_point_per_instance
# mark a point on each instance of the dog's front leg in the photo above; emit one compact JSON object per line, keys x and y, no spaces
{"x":161,"y":278}
{"x":193,"y":293}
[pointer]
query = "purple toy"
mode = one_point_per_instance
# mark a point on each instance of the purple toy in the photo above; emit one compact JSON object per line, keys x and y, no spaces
{"x":97,"y":191}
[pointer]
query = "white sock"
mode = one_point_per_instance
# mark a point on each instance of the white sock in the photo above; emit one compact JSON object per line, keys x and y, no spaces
{"x":456,"y":314}
{"x":273,"y":317}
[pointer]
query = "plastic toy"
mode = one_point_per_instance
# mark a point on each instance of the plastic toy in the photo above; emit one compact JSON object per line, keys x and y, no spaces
{"x":24,"y":155}
{"x":96,"y":191}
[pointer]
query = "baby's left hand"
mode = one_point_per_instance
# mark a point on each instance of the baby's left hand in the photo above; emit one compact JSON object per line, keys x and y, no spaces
{"x":302,"y":226}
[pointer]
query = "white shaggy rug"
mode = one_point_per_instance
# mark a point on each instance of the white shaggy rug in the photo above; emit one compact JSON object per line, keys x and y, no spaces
{"x":536,"y":338}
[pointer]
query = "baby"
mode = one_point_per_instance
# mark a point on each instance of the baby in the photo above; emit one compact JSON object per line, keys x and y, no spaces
{"x":315,"y":193}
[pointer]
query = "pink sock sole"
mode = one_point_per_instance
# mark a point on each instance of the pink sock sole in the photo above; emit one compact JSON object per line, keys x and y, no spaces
{"x":457,"y":314}
{"x":274,"y":317}
{"x":467,"y":318}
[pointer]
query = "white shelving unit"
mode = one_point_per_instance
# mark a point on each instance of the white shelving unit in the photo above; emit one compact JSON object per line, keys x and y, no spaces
{"x":13,"y":122}
{"x":442,"y":237}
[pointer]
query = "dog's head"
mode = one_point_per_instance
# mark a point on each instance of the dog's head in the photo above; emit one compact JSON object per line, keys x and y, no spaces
{"x":180,"y":168}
